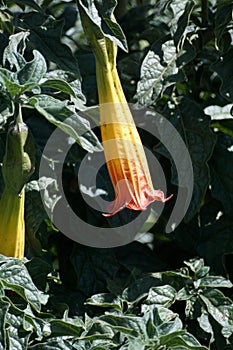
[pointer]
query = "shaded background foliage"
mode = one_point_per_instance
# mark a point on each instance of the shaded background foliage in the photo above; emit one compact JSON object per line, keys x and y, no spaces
{"x":162,"y":291}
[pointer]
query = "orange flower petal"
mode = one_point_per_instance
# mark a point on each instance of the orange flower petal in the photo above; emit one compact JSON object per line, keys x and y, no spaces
{"x":127,"y":195}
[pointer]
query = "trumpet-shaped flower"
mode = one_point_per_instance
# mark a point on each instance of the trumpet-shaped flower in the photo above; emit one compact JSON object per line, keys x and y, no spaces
{"x":125,"y":157}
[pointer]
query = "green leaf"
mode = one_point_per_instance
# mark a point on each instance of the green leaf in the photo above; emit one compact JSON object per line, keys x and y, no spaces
{"x":225,"y":126}
{"x":59,"y":84}
{"x":134,"y":344}
{"x":220,"y":308}
{"x":93,"y":267}
{"x":34,"y":216}
{"x":30,"y":3}
{"x":61,"y":328}
{"x":186,"y":55}
{"x":39,"y":269}
{"x":215,"y":282}
{"x":195,"y":264}
{"x":161,"y":295}
{"x":221,"y":173}
{"x":6,"y":109}
{"x":2,"y":153}
{"x":128,"y":256}
{"x":194,"y":127}
{"x":163,"y":315}
{"x":6,"y":24}
{"x":181,"y":340}
{"x":35,"y":213}
{"x":204,"y":323}
{"x":15,"y":276}
{"x":219,"y":112}
{"x":12,"y":51}
{"x":221,"y":118}
{"x":9,"y":83}
{"x":139,"y":288}
{"x":4,"y":307}
{"x":101,"y":15}
{"x":53,"y":344}
{"x":182,"y":11}
{"x":45,"y":187}
{"x":45,"y":34}
{"x":184,"y":294}
{"x":69,"y":78}
{"x":105,"y":300}
{"x":33,"y":71}
{"x":158,"y":65}
{"x":35,"y":325}
{"x":17,"y":338}
{"x":224,"y":69}
{"x":131,"y":325}
{"x":96,"y":330}
{"x":165,"y":321}
{"x":177,"y":279}
{"x":60,"y":114}
{"x":216,"y":241}
{"x":223,"y":17}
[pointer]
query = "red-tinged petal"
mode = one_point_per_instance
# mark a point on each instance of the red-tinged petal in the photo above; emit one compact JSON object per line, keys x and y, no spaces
{"x":126,"y":199}
{"x":123,"y":197}
{"x":159,"y":196}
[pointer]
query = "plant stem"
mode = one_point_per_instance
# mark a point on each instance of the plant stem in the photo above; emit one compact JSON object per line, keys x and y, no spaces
{"x":204,"y":12}
{"x":19,"y":117}
{"x":17,"y":112}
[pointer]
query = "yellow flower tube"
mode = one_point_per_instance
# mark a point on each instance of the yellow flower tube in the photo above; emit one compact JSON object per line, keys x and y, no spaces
{"x":12,"y":227}
{"x":125,"y":157}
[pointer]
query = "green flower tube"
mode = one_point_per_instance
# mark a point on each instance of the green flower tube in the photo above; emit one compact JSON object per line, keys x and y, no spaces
{"x":17,"y":168}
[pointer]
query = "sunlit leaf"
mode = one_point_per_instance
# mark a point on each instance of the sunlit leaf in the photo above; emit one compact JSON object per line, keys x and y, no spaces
{"x":13,"y":275}
{"x":101,"y":15}
{"x":46,"y":39}
{"x":33,"y":71}
{"x":12,"y":52}
{"x":158,"y":65}
{"x":60,"y":114}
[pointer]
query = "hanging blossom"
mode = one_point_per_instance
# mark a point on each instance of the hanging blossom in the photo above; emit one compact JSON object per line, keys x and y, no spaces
{"x":125,"y":157}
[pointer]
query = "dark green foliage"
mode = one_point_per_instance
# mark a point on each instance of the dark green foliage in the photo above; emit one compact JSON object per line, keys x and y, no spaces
{"x":162,"y":291}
